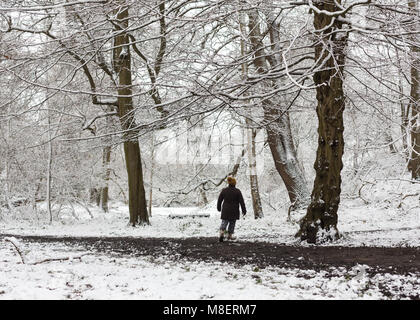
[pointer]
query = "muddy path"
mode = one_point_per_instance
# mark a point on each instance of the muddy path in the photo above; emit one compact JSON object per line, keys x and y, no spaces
{"x":394,"y":260}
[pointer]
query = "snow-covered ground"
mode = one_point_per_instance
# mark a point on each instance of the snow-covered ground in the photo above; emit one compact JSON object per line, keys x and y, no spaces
{"x":385,"y":220}
{"x":95,"y":276}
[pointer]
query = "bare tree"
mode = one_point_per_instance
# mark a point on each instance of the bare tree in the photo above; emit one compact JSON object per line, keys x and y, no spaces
{"x":320,"y":222}
{"x":119,"y":75}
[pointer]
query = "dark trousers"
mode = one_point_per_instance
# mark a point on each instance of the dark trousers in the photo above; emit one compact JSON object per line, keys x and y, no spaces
{"x":230,"y":224}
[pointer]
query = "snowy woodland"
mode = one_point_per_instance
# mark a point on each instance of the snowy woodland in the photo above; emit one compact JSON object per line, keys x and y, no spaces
{"x":120,"y":121}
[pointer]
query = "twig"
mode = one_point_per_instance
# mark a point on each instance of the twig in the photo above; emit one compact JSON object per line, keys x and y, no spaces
{"x":86,"y":208}
{"x":17,"y":248}
{"x":58,"y":259}
{"x":406,"y":196}
{"x":410,"y":195}
{"x":22,"y":257}
{"x":364,"y":183}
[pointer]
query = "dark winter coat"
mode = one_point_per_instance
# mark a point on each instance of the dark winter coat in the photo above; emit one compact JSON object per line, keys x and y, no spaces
{"x":231,"y":198}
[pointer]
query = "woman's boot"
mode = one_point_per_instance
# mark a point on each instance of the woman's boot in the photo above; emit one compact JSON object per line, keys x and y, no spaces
{"x":222,"y":234}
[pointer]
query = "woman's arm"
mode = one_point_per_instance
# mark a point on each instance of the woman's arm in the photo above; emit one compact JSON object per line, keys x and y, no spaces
{"x":219,"y":201}
{"x":242,"y":203}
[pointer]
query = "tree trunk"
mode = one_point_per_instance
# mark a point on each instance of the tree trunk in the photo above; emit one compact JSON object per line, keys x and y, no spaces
{"x":390,"y":141}
{"x":203,"y":195}
{"x":414,"y":160}
{"x":320,"y":222}
{"x":280,"y":141}
{"x":122,"y":66}
{"x":7,"y":187}
{"x":94,"y":196}
{"x":404,"y":111}
{"x":106,"y":159}
{"x":404,"y":129}
{"x":152,"y":168}
{"x":253,"y":178}
{"x":49,"y":166}
{"x":251,"y":133}
{"x":279,"y":134}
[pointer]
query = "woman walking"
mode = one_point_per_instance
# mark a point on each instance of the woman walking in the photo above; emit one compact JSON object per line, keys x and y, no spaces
{"x":231,"y":197}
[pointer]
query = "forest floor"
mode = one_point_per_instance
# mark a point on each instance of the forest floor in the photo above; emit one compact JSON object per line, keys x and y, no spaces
{"x":396,"y":260}
{"x":369,"y":261}
{"x":85,"y":253}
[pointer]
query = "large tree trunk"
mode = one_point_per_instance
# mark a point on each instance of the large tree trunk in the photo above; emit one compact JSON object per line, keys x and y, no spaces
{"x":122,"y":65}
{"x":279,"y":134}
{"x":320,"y":222}
{"x":414,"y":160}
{"x":280,"y":141}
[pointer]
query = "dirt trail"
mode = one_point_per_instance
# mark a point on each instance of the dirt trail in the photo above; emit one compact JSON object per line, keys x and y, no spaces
{"x":394,"y":260}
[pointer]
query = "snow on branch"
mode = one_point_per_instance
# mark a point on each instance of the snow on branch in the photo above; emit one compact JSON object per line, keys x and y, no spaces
{"x":87,"y":124}
{"x":54,"y":6}
{"x":343,"y":10}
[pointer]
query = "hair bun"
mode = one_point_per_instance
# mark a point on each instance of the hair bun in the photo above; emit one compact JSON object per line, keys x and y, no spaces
{"x":231,"y":181}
